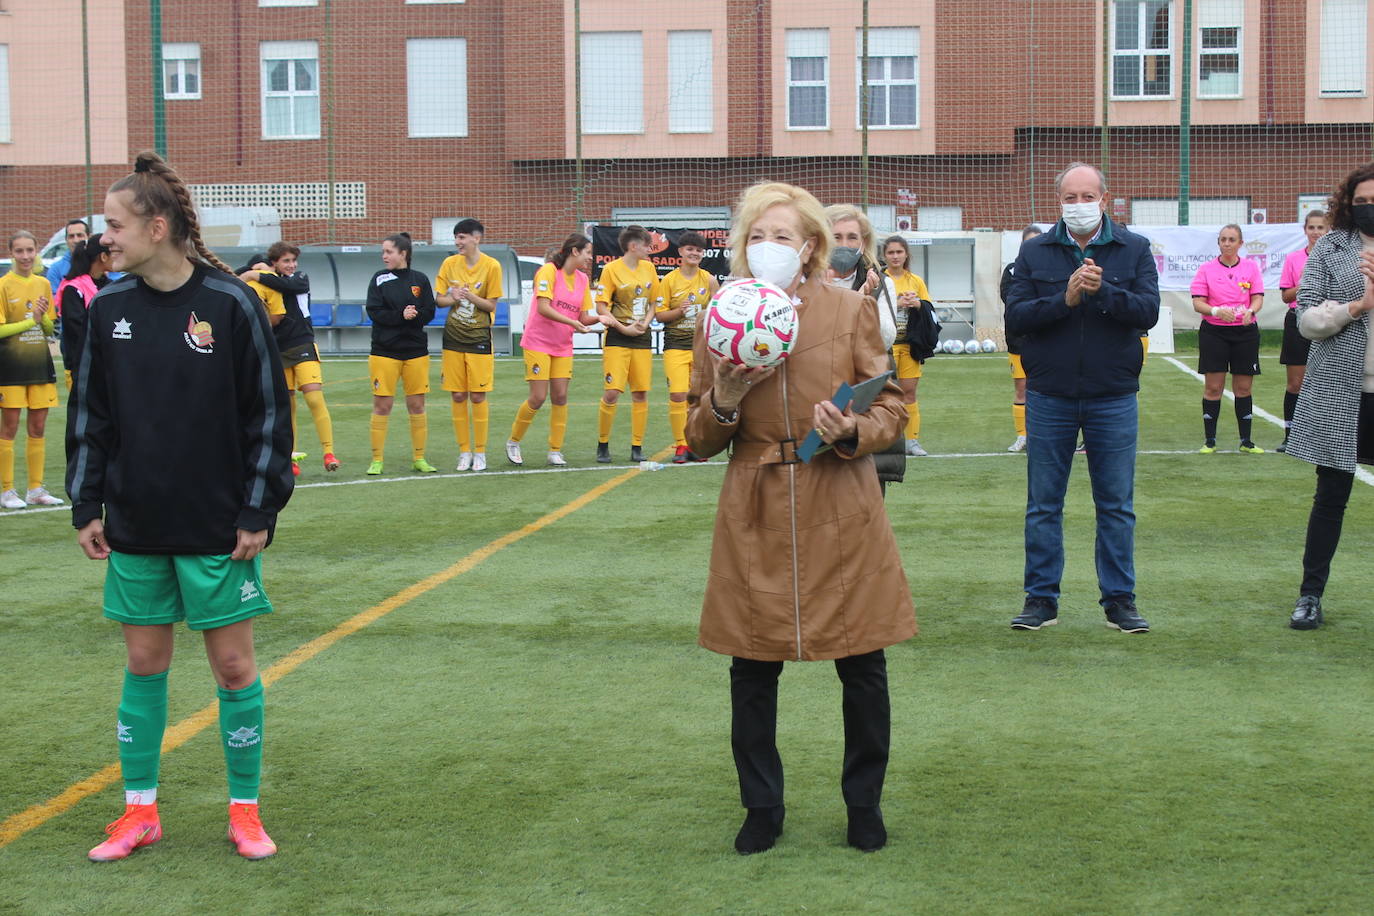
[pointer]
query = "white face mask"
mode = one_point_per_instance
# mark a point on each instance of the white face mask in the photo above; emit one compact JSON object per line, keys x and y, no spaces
{"x":1082,"y":218}
{"x":774,"y":262}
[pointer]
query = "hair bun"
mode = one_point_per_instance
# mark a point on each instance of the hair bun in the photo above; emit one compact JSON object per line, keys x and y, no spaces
{"x":145,"y":161}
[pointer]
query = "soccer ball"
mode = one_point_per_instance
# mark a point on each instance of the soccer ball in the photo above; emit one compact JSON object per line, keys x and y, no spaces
{"x":750,"y":323}
{"x":972,"y":346}
{"x":988,"y":345}
{"x":954,"y":346}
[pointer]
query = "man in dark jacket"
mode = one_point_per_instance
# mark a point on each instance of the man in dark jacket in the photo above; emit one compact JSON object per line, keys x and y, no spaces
{"x":1078,"y":296}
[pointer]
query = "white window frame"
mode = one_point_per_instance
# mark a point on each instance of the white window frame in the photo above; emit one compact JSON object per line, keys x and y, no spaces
{"x":1140,"y":9}
{"x":612,"y":82}
{"x":1220,"y":15}
{"x":290,"y":51}
{"x":175,"y":59}
{"x":436,"y":87}
{"x":288,"y":3}
{"x":939,"y":219}
{"x":1342,"y":49}
{"x":1215,"y":211}
{"x":1309,"y":202}
{"x":6,"y":136}
{"x":691,"y":108}
{"x":808,"y":44}
{"x":888,"y":45}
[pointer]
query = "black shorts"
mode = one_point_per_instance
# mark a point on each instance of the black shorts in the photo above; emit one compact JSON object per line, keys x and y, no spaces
{"x":1230,"y":348}
{"x":1295,"y":346}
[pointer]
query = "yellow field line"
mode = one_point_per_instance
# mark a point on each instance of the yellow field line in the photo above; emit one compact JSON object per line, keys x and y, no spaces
{"x":17,"y":825}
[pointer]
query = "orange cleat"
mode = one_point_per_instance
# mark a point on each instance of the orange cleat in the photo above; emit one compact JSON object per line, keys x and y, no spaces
{"x":330,"y":462}
{"x":246,"y":833}
{"x":138,"y":826}
{"x":680,"y":455}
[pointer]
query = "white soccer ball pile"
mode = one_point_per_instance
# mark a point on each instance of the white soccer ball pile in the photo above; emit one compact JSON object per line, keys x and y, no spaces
{"x":972,"y":346}
{"x":750,"y":323}
{"x":989,"y":345}
{"x":954,"y":346}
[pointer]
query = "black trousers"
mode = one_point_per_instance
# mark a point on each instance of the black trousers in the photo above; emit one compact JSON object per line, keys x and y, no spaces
{"x":867,"y":729}
{"x":1328,"y":506}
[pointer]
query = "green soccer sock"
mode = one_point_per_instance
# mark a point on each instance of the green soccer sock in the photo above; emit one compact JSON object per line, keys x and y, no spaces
{"x":240,"y":729}
{"x":142,"y":720}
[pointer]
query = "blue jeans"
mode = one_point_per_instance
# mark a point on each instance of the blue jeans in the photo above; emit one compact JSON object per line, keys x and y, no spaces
{"x":1109,"y":428}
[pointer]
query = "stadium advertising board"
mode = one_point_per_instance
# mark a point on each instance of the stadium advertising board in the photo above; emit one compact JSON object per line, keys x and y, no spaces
{"x":663,"y":250}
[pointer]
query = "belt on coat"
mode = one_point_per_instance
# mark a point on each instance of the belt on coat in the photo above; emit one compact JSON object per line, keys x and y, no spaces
{"x":782,"y":452}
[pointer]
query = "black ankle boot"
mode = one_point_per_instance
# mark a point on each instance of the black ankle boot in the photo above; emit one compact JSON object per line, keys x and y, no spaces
{"x":866,"y":830}
{"x":762,"y":827}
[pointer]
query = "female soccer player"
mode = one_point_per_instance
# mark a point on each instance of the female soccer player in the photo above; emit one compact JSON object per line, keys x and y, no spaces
{"x":27,"y":377}
{"x":1228,"y":293}
{"x":178,"y":461}
{"x":1293,"y":353}
{"x":686,"y":292}
{"x":910,"y":289}
{"x":400,"y":303}
{"x":562,"y":306}
{"x":85,"y":277}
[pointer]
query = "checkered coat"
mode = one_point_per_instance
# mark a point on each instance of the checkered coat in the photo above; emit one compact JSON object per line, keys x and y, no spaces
{"x":1325,"y":421}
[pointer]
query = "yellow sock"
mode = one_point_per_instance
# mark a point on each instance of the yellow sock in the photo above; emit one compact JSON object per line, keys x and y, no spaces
{"x":377,"y":431}
{"x":913,"y":420}
{"x":558,"y":426}
{"x":605,"y":419}
{"x":34,"y":454}
{"x":324,"y":424}
{"x":6,"y":464}
{"x":295,"y":444}
{"x":419,"y":433}
{"x":523,"y":418}
{"x":677,"y":421}
{"x":639,"y":421}
{"x":1018,"y":416}
{"x":461,"y":434}
{"x":481,"y":419}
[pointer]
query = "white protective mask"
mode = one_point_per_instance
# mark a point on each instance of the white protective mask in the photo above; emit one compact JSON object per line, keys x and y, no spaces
{"x":1084,"y":218}
{"x":774,"y":262}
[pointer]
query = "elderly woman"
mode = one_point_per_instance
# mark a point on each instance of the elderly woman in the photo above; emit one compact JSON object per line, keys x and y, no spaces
{"x":804,"y":565}
{"x":1333,"y":422}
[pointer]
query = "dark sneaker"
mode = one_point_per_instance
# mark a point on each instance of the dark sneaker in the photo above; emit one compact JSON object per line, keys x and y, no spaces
{"x":1122,"y":615}
{"x":603,"y":453}
{"x":680,"y":455}
{"x":1308,"y":614}
{"x":761,"y":829}
{"x":1283,"y":446}
{"x":1038,"y":612}
{"x":866,"y":830}
{"x":693,"y":456}
{"x":636,"y":453}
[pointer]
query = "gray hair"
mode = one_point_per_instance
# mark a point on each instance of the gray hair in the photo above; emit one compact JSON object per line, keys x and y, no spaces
{"x":1059,"y":179}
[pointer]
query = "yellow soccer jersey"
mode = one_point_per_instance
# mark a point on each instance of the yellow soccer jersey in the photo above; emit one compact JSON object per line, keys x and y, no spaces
{"x":629,"y":295}
{"x":24,"y":357}
{"x":908,"y":282}
{"x":468,"y":328}
{"x":276,"y":305}
{"x":689,"y":295}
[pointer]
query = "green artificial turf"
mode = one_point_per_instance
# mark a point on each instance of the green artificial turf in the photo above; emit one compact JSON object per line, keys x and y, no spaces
{"x":542,"y":735}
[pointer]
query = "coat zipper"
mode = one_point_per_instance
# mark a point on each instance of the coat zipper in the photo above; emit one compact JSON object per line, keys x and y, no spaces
{"x":792,"y":507}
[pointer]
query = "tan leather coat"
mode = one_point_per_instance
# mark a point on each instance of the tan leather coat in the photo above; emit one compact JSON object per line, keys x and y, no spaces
{"x":804,"y":564}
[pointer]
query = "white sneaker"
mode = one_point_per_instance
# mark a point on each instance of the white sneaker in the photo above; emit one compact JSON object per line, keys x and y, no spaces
{"x":39,"y":496}
{"x":10,"y":500}
{"x":479,"y":461}
{"x":557,"y":460}
{"x":913,"y":448}
{"x":465,"y":461}
{"x":1018,"y":446}
{"x":513,"y":452}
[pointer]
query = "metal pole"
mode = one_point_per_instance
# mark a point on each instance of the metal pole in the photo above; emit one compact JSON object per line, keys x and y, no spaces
{"x":1185,"y":116}
{"x":578,"y":190}
{"x":86,"y":105}
{"x":327,"y":119}
{"x":863,"y":114}
{"x":1104,"y":153}
{"x":159,"y":103}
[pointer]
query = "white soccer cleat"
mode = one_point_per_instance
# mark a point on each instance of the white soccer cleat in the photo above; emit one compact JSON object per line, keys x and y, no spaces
{"x":39,"y":496}
{"x":1019,"y":445}
{"x":479,"y":461}
{"x":913,"y":448}
{"x":465,"y":461}
{"x":557,"y":460}
{"x":10,"y":499}
{"x":513,"y":452}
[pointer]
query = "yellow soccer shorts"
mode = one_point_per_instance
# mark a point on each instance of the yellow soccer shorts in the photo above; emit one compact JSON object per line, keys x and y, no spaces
{"x":624,"y":364}
{"x":302,"y":374}
{"x":677,"y":365}
{"x":540,"y":367}
{"x":413,"y":374}
{"x":906,"y":366}
{"x":34,"y":397}
{"x":1017,"y":370}
{"x":468,"y":371}
{"x":1145,"y":348}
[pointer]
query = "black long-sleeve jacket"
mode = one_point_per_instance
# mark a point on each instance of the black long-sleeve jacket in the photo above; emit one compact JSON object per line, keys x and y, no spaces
{"x":388,"y":294}
{"x":179,"y":430}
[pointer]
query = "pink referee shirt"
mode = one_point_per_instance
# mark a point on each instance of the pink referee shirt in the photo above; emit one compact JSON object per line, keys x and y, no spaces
{"x":1227,"y":287}
{"x":544,"y":335}
{"x":1292,"y":273}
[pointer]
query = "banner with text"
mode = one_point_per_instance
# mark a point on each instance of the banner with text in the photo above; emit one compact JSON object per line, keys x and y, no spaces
{"x":1180,"y":250}
{"x":663,"y":249}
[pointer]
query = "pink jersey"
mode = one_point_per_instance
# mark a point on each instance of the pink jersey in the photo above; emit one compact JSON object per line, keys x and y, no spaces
{"x":1292,"y":272}
{"x":544,"y":335}
{"x":1227,"y":287}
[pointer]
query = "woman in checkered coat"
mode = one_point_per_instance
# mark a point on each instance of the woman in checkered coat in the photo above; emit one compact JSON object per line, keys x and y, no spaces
{"x":1333,"y":424}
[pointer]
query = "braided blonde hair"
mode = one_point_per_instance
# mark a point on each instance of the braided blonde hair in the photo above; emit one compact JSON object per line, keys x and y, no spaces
{"x":158,"y":190}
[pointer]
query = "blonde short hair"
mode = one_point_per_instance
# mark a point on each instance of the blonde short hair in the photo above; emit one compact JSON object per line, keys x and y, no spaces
{"x":839,"y":213}
{"x":756,"y":200}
